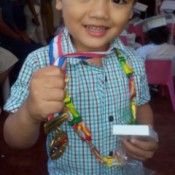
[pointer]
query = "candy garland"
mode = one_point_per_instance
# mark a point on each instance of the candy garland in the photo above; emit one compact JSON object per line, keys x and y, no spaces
{"x":60,"y":141}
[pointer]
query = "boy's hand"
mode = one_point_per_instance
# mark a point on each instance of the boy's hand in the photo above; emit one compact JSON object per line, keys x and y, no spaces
{"x":140,"y":149}
{"x":46,"y":93}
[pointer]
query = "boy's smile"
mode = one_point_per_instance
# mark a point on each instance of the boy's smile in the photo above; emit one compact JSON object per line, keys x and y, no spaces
{"x":96,"y":31}
{"x":93,"y":24}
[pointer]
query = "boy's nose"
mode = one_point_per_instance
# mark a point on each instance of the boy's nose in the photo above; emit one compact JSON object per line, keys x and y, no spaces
{"x":99,"y":9}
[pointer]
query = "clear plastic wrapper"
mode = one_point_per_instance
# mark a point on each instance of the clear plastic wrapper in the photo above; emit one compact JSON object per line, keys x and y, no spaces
{"x":131,"y":166}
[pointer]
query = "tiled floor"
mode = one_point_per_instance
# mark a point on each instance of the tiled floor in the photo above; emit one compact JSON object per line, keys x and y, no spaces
{"x":34,"y":161}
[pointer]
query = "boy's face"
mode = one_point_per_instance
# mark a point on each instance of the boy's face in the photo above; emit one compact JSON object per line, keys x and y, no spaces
{"x":93,"y":24}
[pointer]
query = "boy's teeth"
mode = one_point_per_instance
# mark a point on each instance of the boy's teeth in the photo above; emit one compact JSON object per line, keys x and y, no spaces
{"x":96,"y":28}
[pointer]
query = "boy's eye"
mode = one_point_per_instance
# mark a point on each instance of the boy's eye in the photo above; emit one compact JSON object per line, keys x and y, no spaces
{"x":120,"y":1}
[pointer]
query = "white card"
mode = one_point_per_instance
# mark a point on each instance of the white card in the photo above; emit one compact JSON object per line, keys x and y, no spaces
{"x":135,"y":131}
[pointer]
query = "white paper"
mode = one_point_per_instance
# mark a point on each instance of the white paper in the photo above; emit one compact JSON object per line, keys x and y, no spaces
{"x":168,"y":5}
{"x":135,"y":131}
{"x":140,"y":7}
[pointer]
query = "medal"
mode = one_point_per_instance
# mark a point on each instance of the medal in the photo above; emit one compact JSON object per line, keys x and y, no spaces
{"x":60,"y":141}
{"x":58,"y":144}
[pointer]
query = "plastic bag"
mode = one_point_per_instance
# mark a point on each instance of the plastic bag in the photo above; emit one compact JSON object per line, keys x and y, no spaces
{"x":133,"y":168}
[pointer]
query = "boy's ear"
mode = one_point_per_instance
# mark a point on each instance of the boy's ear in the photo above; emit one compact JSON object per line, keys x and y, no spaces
{"x":59,"y":4}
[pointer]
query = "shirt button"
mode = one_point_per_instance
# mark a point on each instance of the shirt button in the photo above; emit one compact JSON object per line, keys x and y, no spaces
{"x":106,"y":79}
{"x":111,"y":118}
{"x":111,"y":153}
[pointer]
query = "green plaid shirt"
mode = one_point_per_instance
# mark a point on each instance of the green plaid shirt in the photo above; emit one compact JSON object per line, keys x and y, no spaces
{"x":100,"y":94}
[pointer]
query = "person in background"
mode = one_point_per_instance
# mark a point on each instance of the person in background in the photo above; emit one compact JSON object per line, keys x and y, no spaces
{"x":27,"y":17}
{"x":48,"y":18}
{"x":150,"y":10}
{"x":12,"y":38}
{"x":98,"y":94}
{"x":158,"y":5}
{"x":34,"y":24}
{"x":7,"y":61}
{"x":158,"y":36}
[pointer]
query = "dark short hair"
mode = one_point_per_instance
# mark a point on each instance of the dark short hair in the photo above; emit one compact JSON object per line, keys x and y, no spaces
{"x":158,"y":35}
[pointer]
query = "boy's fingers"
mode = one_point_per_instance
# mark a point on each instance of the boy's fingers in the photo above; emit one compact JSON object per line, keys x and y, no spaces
{"x":54,"y":82}
{"x":147,"y":144}
{"x":49,"y":71}
{"x":54,"y":95}
{"x":135,"y":151}
{"x":135,"y":157}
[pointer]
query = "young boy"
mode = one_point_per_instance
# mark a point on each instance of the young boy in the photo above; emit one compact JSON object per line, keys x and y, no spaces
{"x":98,"y":87}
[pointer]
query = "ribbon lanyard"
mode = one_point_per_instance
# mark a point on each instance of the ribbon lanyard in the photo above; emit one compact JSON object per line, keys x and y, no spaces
{"x":57,"y":57}
{"x":70,"y":113}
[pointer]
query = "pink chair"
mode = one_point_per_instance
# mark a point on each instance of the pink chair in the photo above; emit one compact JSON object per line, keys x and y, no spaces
{"x":159,"y":72}
{"x":138,"y":30}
